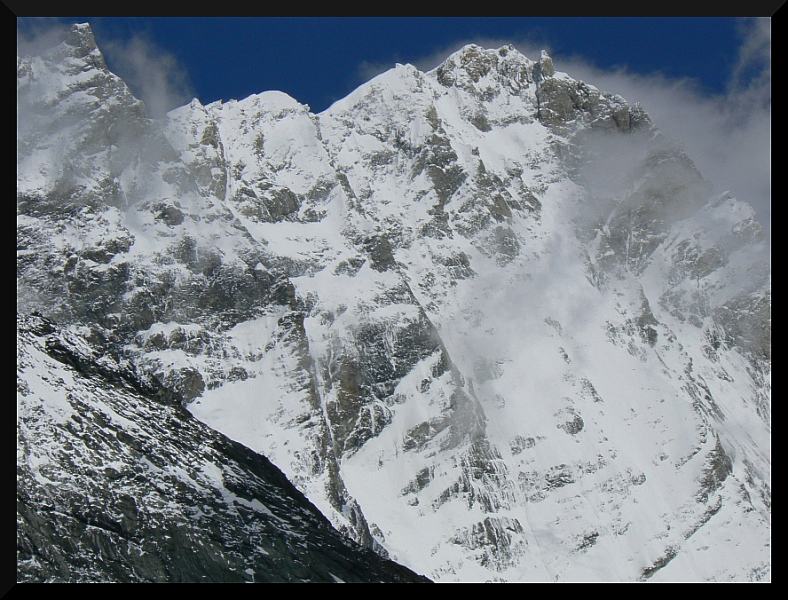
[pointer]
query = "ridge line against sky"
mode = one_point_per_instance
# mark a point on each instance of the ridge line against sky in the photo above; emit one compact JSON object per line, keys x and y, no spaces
{"x":706,"y":82}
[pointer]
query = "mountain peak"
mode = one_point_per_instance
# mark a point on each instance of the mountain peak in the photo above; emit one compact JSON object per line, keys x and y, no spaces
{"x":473,"y":65}
{"x":80,"y":37}
{"x":546,"y":64}
{"x":470,"y":51}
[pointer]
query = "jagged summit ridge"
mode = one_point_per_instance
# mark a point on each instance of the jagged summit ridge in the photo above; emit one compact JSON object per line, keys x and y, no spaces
{"x":419,"y":304}
{"x":505,"y":65}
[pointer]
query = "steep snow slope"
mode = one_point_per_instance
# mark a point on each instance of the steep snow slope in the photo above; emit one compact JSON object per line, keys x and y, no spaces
{"x":424,"y":307}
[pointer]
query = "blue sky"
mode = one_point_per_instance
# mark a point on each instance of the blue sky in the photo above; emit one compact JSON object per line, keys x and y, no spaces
{"x":319,"y":60}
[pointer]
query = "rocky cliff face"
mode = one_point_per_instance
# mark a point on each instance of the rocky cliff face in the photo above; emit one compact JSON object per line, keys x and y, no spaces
{"x":421,"y":306}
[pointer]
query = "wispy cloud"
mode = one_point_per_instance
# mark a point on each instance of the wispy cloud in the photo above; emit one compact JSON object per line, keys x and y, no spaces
{"x":154,"y":75}
{"x":35,"y":36}
{"x":753,"y":70}
{"x":726,"y":135}
{"x":368,"y":69}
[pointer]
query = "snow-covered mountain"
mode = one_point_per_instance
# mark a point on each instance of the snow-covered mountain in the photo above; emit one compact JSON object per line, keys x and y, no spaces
{"x":486,"y":318}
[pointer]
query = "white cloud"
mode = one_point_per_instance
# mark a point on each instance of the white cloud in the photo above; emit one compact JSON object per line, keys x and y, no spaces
{"x":755,"y":57}
{"x":368,"y":70}
{"x":154,"y":75}
{"x":39,"y":35}
{"x":728,"y":135}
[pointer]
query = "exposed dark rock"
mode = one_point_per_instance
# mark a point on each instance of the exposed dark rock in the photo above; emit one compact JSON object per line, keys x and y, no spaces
{"x":747,"y":321}
{"x":169,"y":214}
{"x":717,"y":469}
{"x":520,"y":443}
{"x":670,"y":554}
{"x":381,"y":255}
{"x":559,"y":476}
{"x":495,"y":536}
{"x":349,"y":267}
{"x":573,"y":423}
{"x":480,"y":121}
{"x":588,"y":540}
{"x":647,"y":322}
{"x":422,"y":480}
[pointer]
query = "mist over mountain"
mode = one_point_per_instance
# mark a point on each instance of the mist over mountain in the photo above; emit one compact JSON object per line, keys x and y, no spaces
{"x":488,"y":319}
